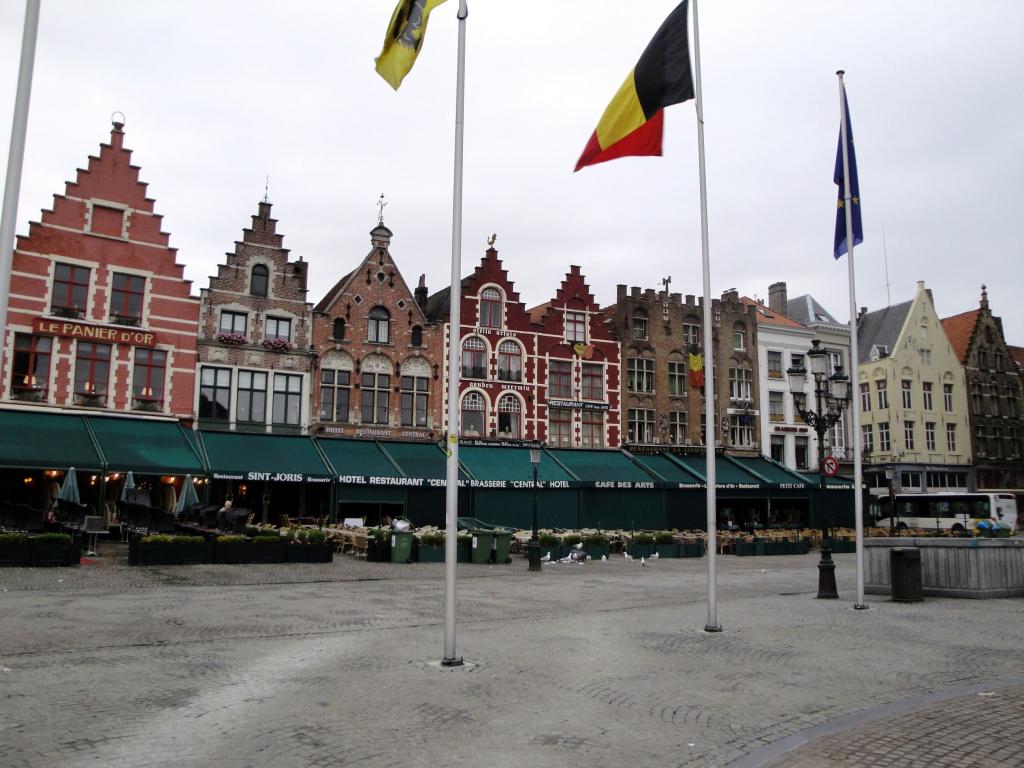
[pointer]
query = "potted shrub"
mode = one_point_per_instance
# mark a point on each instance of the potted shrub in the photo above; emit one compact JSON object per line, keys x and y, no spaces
{"x":231,"y":549}
{"x":665,"y":544}
{"x":55,"y":549}
{"x":265,"y":548}
{"x":596,"y":545}
{"x":319,"y":549}
{"x":169,"y":550}
{"x":463,"y":548}
{"x":432,"y":548}
{"x":378,"y":546}
{"x":641,"y":545}
{"x":691,"y":548}
{"x":549,"y":544}
{"x":15,"y":549}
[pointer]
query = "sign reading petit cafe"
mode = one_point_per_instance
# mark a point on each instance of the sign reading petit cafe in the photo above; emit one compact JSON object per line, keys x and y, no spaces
{"x":102,"y":333}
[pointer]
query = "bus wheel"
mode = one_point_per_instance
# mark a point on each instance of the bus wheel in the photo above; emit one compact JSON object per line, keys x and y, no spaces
{"x":901,"y":526}
{"x":957,"y":528}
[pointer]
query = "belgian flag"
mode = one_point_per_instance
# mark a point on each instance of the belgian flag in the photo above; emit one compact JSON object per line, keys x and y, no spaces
{"x":403,"y":39}
{"x":632,"y":122}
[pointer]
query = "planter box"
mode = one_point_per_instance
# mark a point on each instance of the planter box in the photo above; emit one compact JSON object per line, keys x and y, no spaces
{"x":596,"y":551}
{"x":464,"y":553}
{"x":749,"y":548}
{"x":798,"y":547}
{"x":16,"y":554}
{"x":691,"y":550}
{"x":378,"y":551}
{"x":161,"y":553}
{"x":431,"y":554}
{"x":640,"y":550}
{"x":55,"y":554}
{"x":667,"y":550}
{"x":266,"y":552}
{"x":776,"y":547}
{"x":231,"y":552}
{"x":843,"y":546}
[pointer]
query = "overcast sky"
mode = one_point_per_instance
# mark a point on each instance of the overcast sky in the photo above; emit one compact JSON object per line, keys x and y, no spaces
{"x":219,"y":95}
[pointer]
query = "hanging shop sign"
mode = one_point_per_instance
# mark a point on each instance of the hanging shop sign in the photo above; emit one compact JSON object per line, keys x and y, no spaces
{"x":101,"y":333}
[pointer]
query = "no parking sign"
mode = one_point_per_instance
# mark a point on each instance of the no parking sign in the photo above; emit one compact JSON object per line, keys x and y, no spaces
{"x":830,"y":466}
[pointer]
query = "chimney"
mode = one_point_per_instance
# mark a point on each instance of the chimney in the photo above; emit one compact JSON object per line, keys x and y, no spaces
{"x":421,"y":293}
{"x":777,"y":298}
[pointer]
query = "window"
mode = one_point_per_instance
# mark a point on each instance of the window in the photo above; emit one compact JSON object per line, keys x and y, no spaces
{"x":926,"y":356}
{"x":377,"y":325}
{"x":739,"y":384}
{"x":739,"y":342}
{"x":778,"y":448}
{"x":976,"y":399}
{"x":741,"y":431}
{"x":639,"y":374}
{"x":510,"y":361}
{"x":639,"y":326}
{"x":796,"y":361}
{"x":929,"y":435}
{"x":126,"y":296}
{"x":576,"y":326}
{"x":338,"y":329}
{"x":982,"y":360}
{"x":865,"y":397}
{"x":30,"y":369}
{"x":335,"y":389}
{"x":473,"y":414}
{"x":677,"y":427}
{"x":92,"y":369}
{"x":910,"y":480}
{"x":417,"y":336}
{"x":414,"y":401}
{"x":490,"y":308}
{"x":278,"y":328}
{"x":677,"y":378}
{"x":908,"y":434}
{"x":907,"y":398}
{"x":214,"y":393}
{"x":592,"y":429}
{"x":259,"y":281}
{"x":70,"y":290}
{"x":474,"y":355}
{"x":867,"y":438}
{"x":802,"y":454}
{"x":233,"y":322}
{"x":951,"y":438}
{"x":883,"y":394}
{"x":1000,"y":359}
{"x":148,"y":375}
{"x":691,"y":335}
{"x":774,"y":364}
{"x":593,"y":381}
{"x":836,"y":359}
{"x":926,"y":395}
{"x":376,"y":388}
{"x":776,"y":406}
{"x":883,"y":436}
{"x":287,"y":398}
{"x":641,"y":425}
{"x":509,"y":424}
{"x":947,"y":397}
{"x":251,"y":403}
{"x":560,"y":428}
{"x":559,"y":378}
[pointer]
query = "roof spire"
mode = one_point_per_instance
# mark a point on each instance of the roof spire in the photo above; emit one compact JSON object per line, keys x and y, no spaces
{"x":984,"y":297}
{"x":266,"y":190}
{"x":381,"y":205}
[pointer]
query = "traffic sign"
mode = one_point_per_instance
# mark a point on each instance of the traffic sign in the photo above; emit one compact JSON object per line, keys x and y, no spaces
{"x":830,"y":466}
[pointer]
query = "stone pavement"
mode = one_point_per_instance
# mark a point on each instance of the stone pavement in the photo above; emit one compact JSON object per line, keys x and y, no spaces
{"x":604,"y":664}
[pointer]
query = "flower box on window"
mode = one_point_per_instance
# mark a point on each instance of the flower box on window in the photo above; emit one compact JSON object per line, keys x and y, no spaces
{"x":29,"y":394}
{"x":231,"y":338}
{"x":91,"y":399}
{"x":277,"y":345}
{"x":135,"y":322}
{"x":150,"y":404}
{"x":71,"y":312}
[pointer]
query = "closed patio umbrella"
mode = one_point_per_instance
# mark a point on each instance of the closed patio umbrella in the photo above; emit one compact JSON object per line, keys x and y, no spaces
{"x":69,"y":489}
{"x":129,"y":485}
{"x":188,"y":496}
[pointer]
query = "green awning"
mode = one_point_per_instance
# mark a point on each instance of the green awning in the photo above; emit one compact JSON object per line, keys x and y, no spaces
{"x":357,"y":461}
{"x":601,"y":466}
{"x":831,"y":483}
{"x":40,"y":440}
{"x":423,"y":461}
{"x":729,"y":473}
{"x":670,"y":469}
{"x":774,"y":473}
{"x":146,"y":446}
{"x":252,"y":457}
{"x":488,"y":464}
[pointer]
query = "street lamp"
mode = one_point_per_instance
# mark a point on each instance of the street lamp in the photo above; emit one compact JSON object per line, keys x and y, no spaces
{"x":533,"y":550}
{"x":832,"y":392}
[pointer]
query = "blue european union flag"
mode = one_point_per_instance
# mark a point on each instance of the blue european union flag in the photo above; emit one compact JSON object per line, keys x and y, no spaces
{"x":858,"y":230}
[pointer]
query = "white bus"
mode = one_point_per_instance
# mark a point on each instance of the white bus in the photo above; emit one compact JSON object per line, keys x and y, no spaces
{"x":957,"y":512}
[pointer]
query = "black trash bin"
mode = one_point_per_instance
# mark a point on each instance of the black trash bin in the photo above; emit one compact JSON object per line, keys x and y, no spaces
{"x":905,"y":574}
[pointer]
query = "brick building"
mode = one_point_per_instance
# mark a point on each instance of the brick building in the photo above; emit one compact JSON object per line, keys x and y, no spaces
{"x":379,"y":358}
{"x":661,"y":339}
{"x":100,"y":315}
{"x":254,"y":346}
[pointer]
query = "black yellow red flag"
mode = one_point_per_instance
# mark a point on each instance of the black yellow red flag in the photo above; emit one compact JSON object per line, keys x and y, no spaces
{"x":403,"y":39}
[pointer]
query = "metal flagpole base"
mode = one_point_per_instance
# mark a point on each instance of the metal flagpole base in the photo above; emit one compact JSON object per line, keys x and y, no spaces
{"x":827,"y":577}
{"x":533,"y":553}
{"x":712,"y":627}
{"x":861,"y":606}
{"x":456,"y":662}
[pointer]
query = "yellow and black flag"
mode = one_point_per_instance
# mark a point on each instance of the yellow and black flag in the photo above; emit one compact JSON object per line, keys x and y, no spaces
{"x":404,"y":38}
{"x":632,"y":122}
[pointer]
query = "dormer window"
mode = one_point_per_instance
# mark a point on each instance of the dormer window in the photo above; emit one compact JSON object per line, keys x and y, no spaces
{"x":260,"y":280}
{"x":576,"y":327}
{"x":338,"y":329}
{"x":377,"y":325}
{"x":490,"y":308}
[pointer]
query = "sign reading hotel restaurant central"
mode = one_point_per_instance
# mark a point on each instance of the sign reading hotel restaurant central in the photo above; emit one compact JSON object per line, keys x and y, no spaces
{"x":76,"y":330}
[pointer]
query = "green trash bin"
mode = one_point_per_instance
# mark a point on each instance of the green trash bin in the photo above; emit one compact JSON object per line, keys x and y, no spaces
{"x":482,"y":543}
{"x":501,"y":543}
{"x":401,"y":546}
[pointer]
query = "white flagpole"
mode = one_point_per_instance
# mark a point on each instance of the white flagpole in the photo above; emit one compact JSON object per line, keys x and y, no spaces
{"x":858,"y":499}
{"x":12,"y":184}
{"x":709,"y":355}
{"x":454,"y":344}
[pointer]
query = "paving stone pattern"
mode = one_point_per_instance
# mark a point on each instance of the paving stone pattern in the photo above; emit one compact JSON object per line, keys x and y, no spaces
{"x":604,"y":664}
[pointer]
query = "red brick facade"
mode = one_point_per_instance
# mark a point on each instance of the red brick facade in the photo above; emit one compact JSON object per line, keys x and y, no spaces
{"x":379,"y":358}
{"x":254,"y":339}
{"x":100,"y":314}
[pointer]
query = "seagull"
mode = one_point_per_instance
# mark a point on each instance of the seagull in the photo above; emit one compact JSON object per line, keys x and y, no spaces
{"x":627,"y":555}
{"x":603,"y":558}
{"x":643,"y":562}
{"x":654,"y":556}
{"x":546,"y":558}
{"x":579,"y":545}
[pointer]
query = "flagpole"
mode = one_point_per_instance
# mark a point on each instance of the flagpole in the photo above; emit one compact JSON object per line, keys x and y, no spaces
{"x":15,"y":159}
{"x":858,"y":498}
{"x":454,"y":343}
{"x":709,"y":365}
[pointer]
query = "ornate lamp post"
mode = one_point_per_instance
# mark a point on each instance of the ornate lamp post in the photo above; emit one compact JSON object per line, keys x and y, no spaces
{"x":533,"y":548}
{"x":831,"y":395}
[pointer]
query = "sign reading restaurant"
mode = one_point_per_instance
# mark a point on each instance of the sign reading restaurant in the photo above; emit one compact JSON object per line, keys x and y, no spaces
{"x":579,"y":405}
{"x":280,"y":477}
{"x":108,"y":334}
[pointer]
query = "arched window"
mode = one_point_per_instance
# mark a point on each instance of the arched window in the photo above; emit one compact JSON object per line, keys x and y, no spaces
{"x":474,"y":358}
{"x":508,"y":417}
{"x":338,"y":330}
{"x":473,"y":414}
{"x":260,"y":278}
{"x":739,"y":337}
{"x":639,"y":325}
{"x":377,"y":325}
{"x":490,"y":308}
{"x":510,"y":361}
{"x":417,"y":336}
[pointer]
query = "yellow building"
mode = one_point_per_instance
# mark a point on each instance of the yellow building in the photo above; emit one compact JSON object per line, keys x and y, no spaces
{"x":913,"y":400}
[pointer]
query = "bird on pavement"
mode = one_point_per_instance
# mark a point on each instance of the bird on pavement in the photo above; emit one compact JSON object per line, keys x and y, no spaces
{"x":654,"y":556}
{"x":627,"y":555}
{"x":546,"y":558}
{"x":643,"y":562}
{"x":603,"y":558}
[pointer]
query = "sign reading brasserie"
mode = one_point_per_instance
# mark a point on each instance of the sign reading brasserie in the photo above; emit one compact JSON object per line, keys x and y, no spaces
{"x":112,"y":335}
{"x":278,"y":477}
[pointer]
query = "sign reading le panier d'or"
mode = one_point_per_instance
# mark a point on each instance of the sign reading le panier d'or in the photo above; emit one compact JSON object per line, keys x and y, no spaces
{"x":102,"y":333}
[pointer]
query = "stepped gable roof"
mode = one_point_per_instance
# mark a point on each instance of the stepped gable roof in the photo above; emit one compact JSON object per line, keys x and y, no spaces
{"x":573,"y":293}
{"x":765,"y":316}
{"x":959,"y":329}
{"x":804,"y":309}
{"x":880,"y":327}
{"x":537,"y":313}
{"x":1017,"y":353}
{"x":488,"y":272}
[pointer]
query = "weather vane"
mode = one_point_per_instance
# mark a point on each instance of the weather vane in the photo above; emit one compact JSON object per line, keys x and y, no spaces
{"x":491,"y":239}
{"x":381,"y":205}
{"x":266,"y":190}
